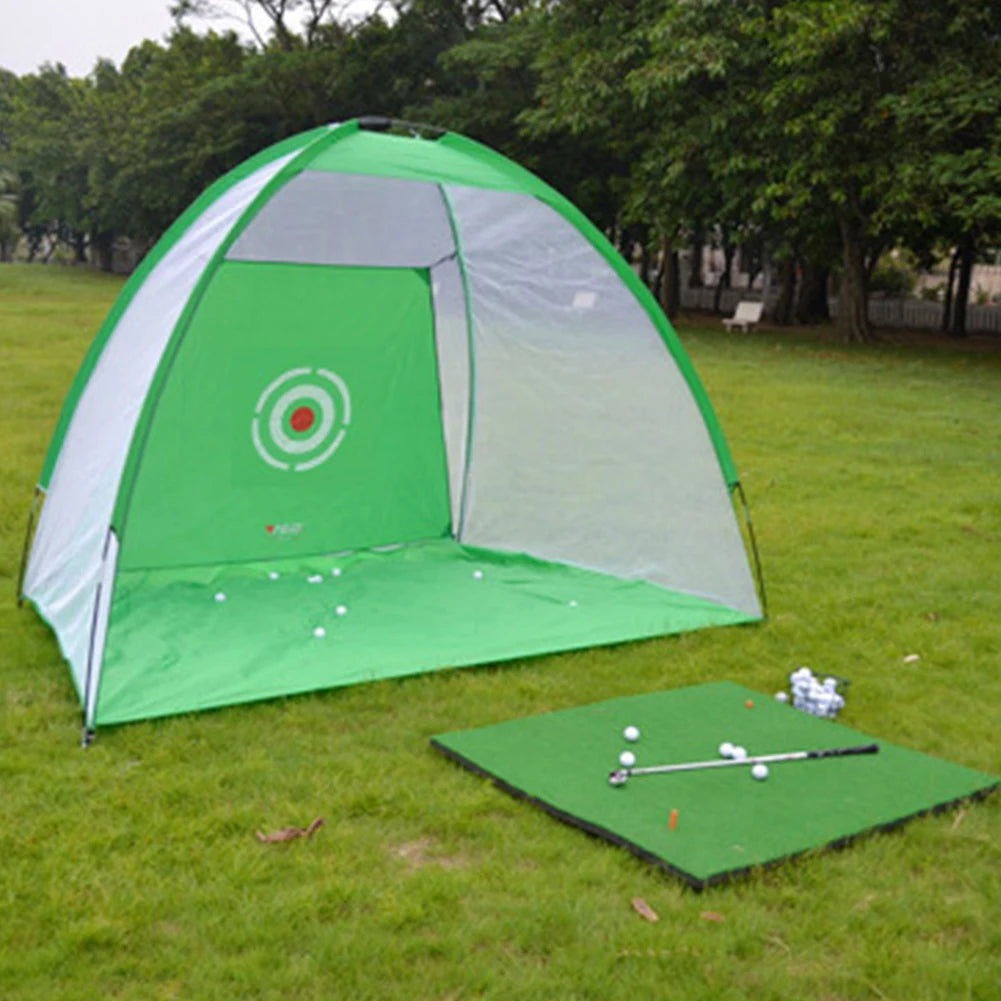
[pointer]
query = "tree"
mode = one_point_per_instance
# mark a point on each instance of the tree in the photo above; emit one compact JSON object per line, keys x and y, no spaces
{"x":46,"y":123}
{"x":10,"y":231}
{"x":585,"y":52}
{"x":280,"y":15}
{"x":185,"y":116}
{"x":949,"y":178}
{"x":785,"y":120}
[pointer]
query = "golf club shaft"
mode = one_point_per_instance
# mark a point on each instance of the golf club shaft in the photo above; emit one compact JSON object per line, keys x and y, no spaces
{"x":690,"y":766}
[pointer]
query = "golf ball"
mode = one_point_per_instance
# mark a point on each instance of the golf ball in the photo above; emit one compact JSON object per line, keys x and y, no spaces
{"x":477,"y":575}
{"x":341,"y":609}
{"x":631,"y":733}
{"x":760,"y":771}
{"x":739,"y":753}
{"x":336,"y":571}
{"x":274,"y":575}
{"x":220,"y":596}
{"x":319,"y":632}
{"x":782,"y":696}
{"x":726,"y":749}
{"x":315,"y":578}
{"x":627,"y":759}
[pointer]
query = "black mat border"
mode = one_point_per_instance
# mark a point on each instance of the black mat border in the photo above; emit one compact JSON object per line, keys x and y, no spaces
{"x":693,"y":881}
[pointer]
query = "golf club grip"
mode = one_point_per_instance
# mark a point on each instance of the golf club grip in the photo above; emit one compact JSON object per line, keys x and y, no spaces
{"x":840,"y":752}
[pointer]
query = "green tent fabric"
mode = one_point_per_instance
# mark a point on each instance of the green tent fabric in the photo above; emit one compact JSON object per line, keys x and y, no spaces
{"x":378,"y":403}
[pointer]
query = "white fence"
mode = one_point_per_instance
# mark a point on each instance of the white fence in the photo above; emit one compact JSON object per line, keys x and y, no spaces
{"x":905,"y":311}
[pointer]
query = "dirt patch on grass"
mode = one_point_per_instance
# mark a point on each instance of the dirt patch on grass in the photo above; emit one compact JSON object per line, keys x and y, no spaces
{"x":426,"y":852}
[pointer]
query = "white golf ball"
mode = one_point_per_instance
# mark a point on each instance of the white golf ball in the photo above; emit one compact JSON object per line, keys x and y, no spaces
{"x":631,"y":733}
{"x":319,"y":632}
{"x":739,"y":753}
{"x":341,"y":609}
{"x":477,"y":575}
{"x":781,"y":696}
{"x":220,"y":596}
{"x":336,"y":571}
{"x":627,"y":759}
{"x":315,"y":578}
{"x":726,"y":749}
{"x":274,"y":575}
{"x":760,"y":771}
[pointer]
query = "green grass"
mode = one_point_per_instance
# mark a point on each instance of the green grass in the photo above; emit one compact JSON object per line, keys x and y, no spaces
{"x":131,"y":870}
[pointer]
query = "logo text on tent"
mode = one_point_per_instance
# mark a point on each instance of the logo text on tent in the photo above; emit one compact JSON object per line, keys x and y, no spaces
{"x":287,"y":530}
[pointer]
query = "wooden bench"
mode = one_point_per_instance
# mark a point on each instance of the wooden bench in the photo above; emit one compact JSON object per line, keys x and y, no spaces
{"x":747,"y":315}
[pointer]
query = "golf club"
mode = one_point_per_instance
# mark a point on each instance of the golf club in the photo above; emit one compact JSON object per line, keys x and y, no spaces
{"x":620,"y":775}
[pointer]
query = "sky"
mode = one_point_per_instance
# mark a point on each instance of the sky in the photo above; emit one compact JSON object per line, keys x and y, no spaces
{"x":77,"y":33}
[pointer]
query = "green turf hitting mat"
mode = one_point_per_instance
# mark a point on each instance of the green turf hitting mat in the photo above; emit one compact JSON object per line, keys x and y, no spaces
{"x":711,"y":824}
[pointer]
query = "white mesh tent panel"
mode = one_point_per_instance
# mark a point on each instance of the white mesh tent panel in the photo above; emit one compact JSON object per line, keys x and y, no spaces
{"x":587,"y":446}
{"x":452,"y":342}
{"x":65,"y":562}
{"x":347,"y":219}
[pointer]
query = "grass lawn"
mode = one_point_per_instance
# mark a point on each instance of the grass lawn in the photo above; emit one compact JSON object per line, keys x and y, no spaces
{"x":131,"y":870}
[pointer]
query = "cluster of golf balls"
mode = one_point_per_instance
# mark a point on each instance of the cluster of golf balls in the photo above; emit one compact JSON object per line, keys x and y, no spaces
{"x":813,"y":696}
{"x":736,"y":752}
{"x":319,"y":632}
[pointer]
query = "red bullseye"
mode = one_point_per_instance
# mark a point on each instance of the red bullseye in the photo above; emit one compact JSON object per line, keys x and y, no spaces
{"x":302,"y":419}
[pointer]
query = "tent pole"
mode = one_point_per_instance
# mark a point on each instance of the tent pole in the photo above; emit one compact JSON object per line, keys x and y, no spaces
{"x":27,"y":546}
{"x":460,"y":525}
{"x":759,"y":576}
{"x":98,"y":634}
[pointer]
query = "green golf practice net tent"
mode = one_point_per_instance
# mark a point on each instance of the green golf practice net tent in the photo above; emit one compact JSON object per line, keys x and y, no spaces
{"x":376,"y":404}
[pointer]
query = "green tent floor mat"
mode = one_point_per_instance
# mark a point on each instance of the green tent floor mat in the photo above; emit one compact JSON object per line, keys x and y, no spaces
{"x":724,"y":821}
{"x":198,"y":637}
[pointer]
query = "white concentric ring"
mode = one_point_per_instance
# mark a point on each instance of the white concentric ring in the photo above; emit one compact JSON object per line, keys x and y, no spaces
{"x":321,"y":386}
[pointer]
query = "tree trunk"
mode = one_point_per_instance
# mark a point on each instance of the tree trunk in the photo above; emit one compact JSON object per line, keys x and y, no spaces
{"x":811,"y":297}
{"x":79,"y":241}
{"x":782,"y":313}
{"x":724,"y":278}
{"x":639,"y":258}
{"x":967,"y":254}
{"x":669,"y":291}
{"x":950,"y":285}
{"x":853,"y":295}
{"x":102,"y":245}
{"x":695,"y":269}
{"x":766,"y":275}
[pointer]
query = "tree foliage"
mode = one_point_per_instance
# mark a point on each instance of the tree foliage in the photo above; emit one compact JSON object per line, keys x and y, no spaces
{"x":816,"y":133}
